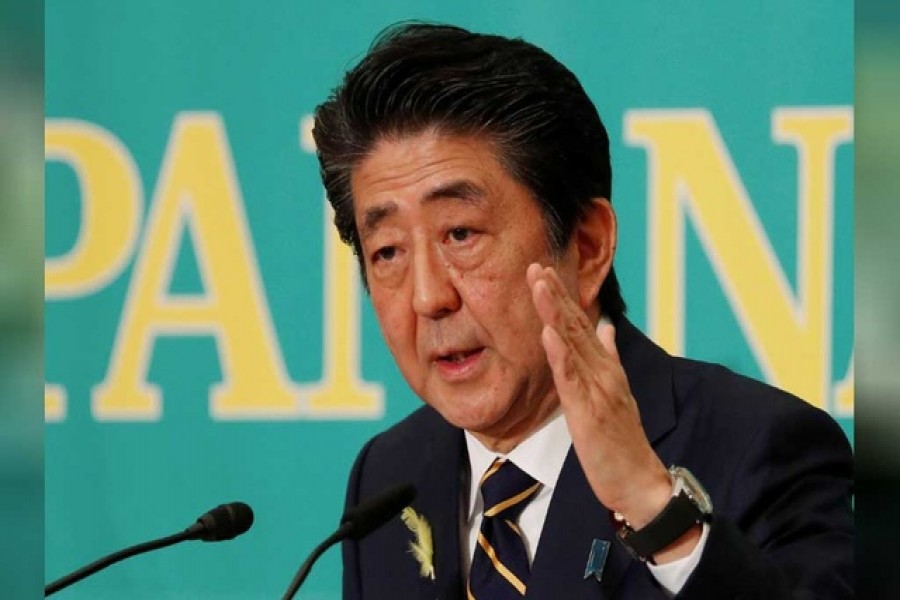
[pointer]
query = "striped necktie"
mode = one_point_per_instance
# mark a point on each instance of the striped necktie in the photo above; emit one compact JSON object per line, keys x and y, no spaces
{"x":500,"y":565}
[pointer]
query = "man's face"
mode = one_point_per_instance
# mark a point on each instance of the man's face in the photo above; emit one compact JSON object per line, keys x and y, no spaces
{"x":447,"y":235}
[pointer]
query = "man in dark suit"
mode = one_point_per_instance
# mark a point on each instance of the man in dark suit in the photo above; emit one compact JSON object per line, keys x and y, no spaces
{"x":562,"y":454}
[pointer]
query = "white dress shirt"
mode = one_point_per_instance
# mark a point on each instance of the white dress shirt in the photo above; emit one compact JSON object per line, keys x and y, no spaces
{"x":542,"y":455}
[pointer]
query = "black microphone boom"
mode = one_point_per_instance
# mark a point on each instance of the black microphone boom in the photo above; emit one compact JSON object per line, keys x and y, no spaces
{"x":357,"y":522}
{"x":224,"y":522}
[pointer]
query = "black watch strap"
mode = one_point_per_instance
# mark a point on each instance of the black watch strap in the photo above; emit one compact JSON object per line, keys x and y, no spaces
{"x":679,"y":515}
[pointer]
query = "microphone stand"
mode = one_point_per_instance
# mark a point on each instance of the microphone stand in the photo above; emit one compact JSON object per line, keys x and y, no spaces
{"x":97,"y":565}
{"x":222,"y":523}
{"x":306,"y":567}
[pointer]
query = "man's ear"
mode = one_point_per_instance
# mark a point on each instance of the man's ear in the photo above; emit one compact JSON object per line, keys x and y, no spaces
{"x":595,"y":239}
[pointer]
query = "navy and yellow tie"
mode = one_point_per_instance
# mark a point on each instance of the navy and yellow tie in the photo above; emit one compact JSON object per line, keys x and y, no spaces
{"x":500,"y":564}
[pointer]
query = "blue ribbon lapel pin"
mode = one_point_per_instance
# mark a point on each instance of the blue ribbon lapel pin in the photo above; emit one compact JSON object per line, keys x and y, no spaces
{"x":597,"y":559}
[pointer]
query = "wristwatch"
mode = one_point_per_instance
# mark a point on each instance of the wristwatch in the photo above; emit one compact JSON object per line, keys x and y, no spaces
{"x":689,"y":505}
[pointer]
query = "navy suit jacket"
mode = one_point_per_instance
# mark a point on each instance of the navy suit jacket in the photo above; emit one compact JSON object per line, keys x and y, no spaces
{"x":778,"y":470}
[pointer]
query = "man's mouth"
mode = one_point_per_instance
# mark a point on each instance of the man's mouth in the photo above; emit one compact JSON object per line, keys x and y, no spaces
{"x":458,"y":357}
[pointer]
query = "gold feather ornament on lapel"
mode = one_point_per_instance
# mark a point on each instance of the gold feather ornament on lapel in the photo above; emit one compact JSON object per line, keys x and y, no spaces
{"x":421,"y":548}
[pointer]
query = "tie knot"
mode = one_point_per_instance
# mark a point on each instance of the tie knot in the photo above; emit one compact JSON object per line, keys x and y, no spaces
{"x":506,"y":490}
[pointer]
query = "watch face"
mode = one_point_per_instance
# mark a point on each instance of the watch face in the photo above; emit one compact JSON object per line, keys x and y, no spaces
{"x":693,"y":488}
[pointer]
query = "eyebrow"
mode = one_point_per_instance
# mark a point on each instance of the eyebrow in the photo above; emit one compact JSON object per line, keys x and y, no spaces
{"x":374,"y":215}
{"x":456,"y":190}
{"x":462,"y":190}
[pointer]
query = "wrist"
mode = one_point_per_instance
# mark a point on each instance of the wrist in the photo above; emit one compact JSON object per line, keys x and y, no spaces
{"x":648,"y":501}
{"x":681,"y":547}
{"x":675,"y":531}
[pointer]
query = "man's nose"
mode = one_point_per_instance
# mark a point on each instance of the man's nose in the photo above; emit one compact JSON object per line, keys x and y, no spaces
{"x":434,"y":294}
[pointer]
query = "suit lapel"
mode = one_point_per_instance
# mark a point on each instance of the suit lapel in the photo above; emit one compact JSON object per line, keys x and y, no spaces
{"x":575,"y":517}
{"x":574,"y":520}
{"x":649,"y":372}
{"x":438,"y":501}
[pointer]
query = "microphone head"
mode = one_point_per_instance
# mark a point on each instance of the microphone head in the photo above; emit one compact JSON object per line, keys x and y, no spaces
{"x":224,"y":522}
{"x":367,"y":516}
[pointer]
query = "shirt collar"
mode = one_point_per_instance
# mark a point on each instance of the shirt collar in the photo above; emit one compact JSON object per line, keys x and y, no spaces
{"x":541,"y":455}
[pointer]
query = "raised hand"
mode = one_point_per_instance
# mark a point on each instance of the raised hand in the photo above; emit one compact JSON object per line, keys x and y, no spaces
{"x":623,"y":470}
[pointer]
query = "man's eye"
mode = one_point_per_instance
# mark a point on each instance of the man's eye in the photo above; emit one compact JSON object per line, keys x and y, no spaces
{"x":460,"y":234}
{"x":386,"y":253}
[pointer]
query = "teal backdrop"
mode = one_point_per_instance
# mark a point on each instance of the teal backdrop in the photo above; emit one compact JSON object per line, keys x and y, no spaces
{"x":206,"y":338}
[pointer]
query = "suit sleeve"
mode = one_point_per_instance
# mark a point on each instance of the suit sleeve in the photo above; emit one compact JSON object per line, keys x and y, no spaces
{"x":785,"y":530}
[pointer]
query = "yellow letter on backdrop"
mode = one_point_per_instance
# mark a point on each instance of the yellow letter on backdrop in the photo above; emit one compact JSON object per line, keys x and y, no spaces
{"x":816,"y":133}
{"x":111,"y":206}
{"x":342,"y":391}
{"x":198,"y":189}
{"x":691,"y":173}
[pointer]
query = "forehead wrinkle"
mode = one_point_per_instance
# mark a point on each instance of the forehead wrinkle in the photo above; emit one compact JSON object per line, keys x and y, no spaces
{"x":386,"y":174}
{"x":458,"y":190}
{"x":386,"y":181}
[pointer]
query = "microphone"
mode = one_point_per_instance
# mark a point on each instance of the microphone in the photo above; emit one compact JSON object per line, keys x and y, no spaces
{"x":224,"y":522}
{"x":357,"y":523}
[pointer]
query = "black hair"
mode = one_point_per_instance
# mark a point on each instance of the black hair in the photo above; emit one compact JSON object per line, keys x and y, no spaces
{"x":509,"y":92}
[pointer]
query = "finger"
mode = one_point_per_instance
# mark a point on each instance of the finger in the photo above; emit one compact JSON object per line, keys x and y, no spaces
{"x":532,"y":274}
{"x":569,"y":358}
{"x":606,"y":333}
{"x":572,"y":348}
{"x":557,"y":299}
{"x":545,"y":302}
{"x":572,"y":323}
{"x":570,"y":373}
{"x":557,"y":352}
